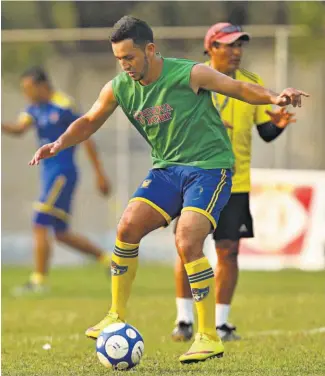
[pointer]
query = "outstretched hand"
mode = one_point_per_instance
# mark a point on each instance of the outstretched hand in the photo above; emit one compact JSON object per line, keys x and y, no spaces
{"x":44,"y":152}
{"x":290,"y":96}
{"x":281,"y":117}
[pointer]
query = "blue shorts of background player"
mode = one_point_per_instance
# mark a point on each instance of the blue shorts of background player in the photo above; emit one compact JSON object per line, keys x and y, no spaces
{"x":175,"y":189}
{"x":54,"y":206}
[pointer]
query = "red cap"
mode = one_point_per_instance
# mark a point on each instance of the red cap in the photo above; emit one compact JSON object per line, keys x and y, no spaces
{"x":224,"y":32}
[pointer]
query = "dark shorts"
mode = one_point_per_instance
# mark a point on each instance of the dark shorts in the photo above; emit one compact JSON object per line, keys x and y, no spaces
{"x":235,"y":220}
{"x":54,"y":205}
{"x":175,"y":189}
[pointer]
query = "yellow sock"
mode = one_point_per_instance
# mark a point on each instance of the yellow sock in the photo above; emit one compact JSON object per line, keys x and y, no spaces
{"x":201,"y":278}
{"x":104,"y":259}
{"x":37,"y":278}
{"x":123,"y":270}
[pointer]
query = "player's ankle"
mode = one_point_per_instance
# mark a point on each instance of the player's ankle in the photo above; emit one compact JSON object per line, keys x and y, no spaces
{"x":184,"y":310}
{"x":211,"y":334}
{"x":222,"y":313}
{"x":37,"y":278}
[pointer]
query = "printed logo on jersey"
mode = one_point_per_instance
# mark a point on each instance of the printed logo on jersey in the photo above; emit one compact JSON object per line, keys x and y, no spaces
{"x":154,"y":115}
{"x":200,"y":294}
{"x":146,"y":183}
{"x":118,"y":269}
{"x":54,"y":117}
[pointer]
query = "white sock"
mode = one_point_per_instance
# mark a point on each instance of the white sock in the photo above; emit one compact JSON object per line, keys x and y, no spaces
{"x":222,"y":313}
{"x":184,"y":310}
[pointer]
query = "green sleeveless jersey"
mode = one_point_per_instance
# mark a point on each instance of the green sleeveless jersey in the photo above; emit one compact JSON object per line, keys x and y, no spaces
{"x":183,"y":128}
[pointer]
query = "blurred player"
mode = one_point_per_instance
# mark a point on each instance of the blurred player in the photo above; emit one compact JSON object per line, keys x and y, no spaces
{"x":169,"y":102}
{"x":51,"y":112}
{"x":224,"y":45}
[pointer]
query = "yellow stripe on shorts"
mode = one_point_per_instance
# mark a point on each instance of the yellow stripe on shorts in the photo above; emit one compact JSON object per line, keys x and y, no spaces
{"x":217,"y":191}
{"x":56,"y":190}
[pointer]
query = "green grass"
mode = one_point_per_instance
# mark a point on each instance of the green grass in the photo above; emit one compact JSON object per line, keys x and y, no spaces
{"x":288,"y":302}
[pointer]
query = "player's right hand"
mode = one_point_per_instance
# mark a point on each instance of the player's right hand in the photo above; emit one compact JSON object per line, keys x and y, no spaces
{"x":290,"y":96}
{"x":46,"y":151}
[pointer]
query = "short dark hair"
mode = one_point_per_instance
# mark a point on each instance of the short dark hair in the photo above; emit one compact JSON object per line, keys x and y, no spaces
{"x":129,"y":27}
{"x":38,"y":74}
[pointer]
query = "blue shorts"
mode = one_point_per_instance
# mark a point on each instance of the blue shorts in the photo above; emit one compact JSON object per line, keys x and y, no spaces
{"x":54,"y":206}
{"x":175,"y":189}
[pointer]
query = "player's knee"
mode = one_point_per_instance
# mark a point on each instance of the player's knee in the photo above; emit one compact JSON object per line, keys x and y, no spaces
{"x":188,"y":249}
{"x":40,"y":230}
{"x":61,"y":236}
{"x":128,"y":230}
{"x":179,"y":266}
{"x":184,"y":248}
{"x":227,"y":251}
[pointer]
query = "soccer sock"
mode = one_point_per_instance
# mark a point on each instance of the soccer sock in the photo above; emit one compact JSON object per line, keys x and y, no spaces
{"x":123,"y":270}
{"x":222,"y":313}
{"x":37,"y":278}
{"x":201,"y":278}
{"x":184,"y":310}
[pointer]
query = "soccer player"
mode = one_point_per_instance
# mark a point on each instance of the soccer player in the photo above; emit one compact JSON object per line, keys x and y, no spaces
{"x":51,"y":112}
{"x":168,"y":101}
{"x":224,"y":44}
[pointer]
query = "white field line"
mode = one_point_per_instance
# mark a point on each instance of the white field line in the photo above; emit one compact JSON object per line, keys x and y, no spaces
{"x":285,"y":332}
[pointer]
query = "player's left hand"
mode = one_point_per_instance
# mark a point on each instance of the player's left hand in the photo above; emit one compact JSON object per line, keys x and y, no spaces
{"x":290,"y":96}
{"x":103,"y":185}
{"x":281,"y":118}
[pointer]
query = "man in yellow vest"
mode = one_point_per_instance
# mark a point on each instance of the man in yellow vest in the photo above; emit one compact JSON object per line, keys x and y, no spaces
{"x":224,"y":44}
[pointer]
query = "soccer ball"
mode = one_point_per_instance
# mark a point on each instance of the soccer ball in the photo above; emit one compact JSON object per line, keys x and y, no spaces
{"x":120,"y":346}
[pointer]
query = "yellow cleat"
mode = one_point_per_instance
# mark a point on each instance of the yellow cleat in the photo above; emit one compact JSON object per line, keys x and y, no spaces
{"x":94,"y":331}
{"x":203,"y":348}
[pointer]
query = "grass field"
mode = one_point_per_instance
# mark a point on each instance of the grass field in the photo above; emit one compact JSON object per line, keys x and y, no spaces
{"x":275,"y":313}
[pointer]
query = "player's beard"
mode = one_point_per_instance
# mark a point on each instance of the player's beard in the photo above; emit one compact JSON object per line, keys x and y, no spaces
{"x":144,"y":70}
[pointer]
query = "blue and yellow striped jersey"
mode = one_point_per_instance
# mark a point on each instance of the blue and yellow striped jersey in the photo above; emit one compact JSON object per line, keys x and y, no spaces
{"x":51,"y":120}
